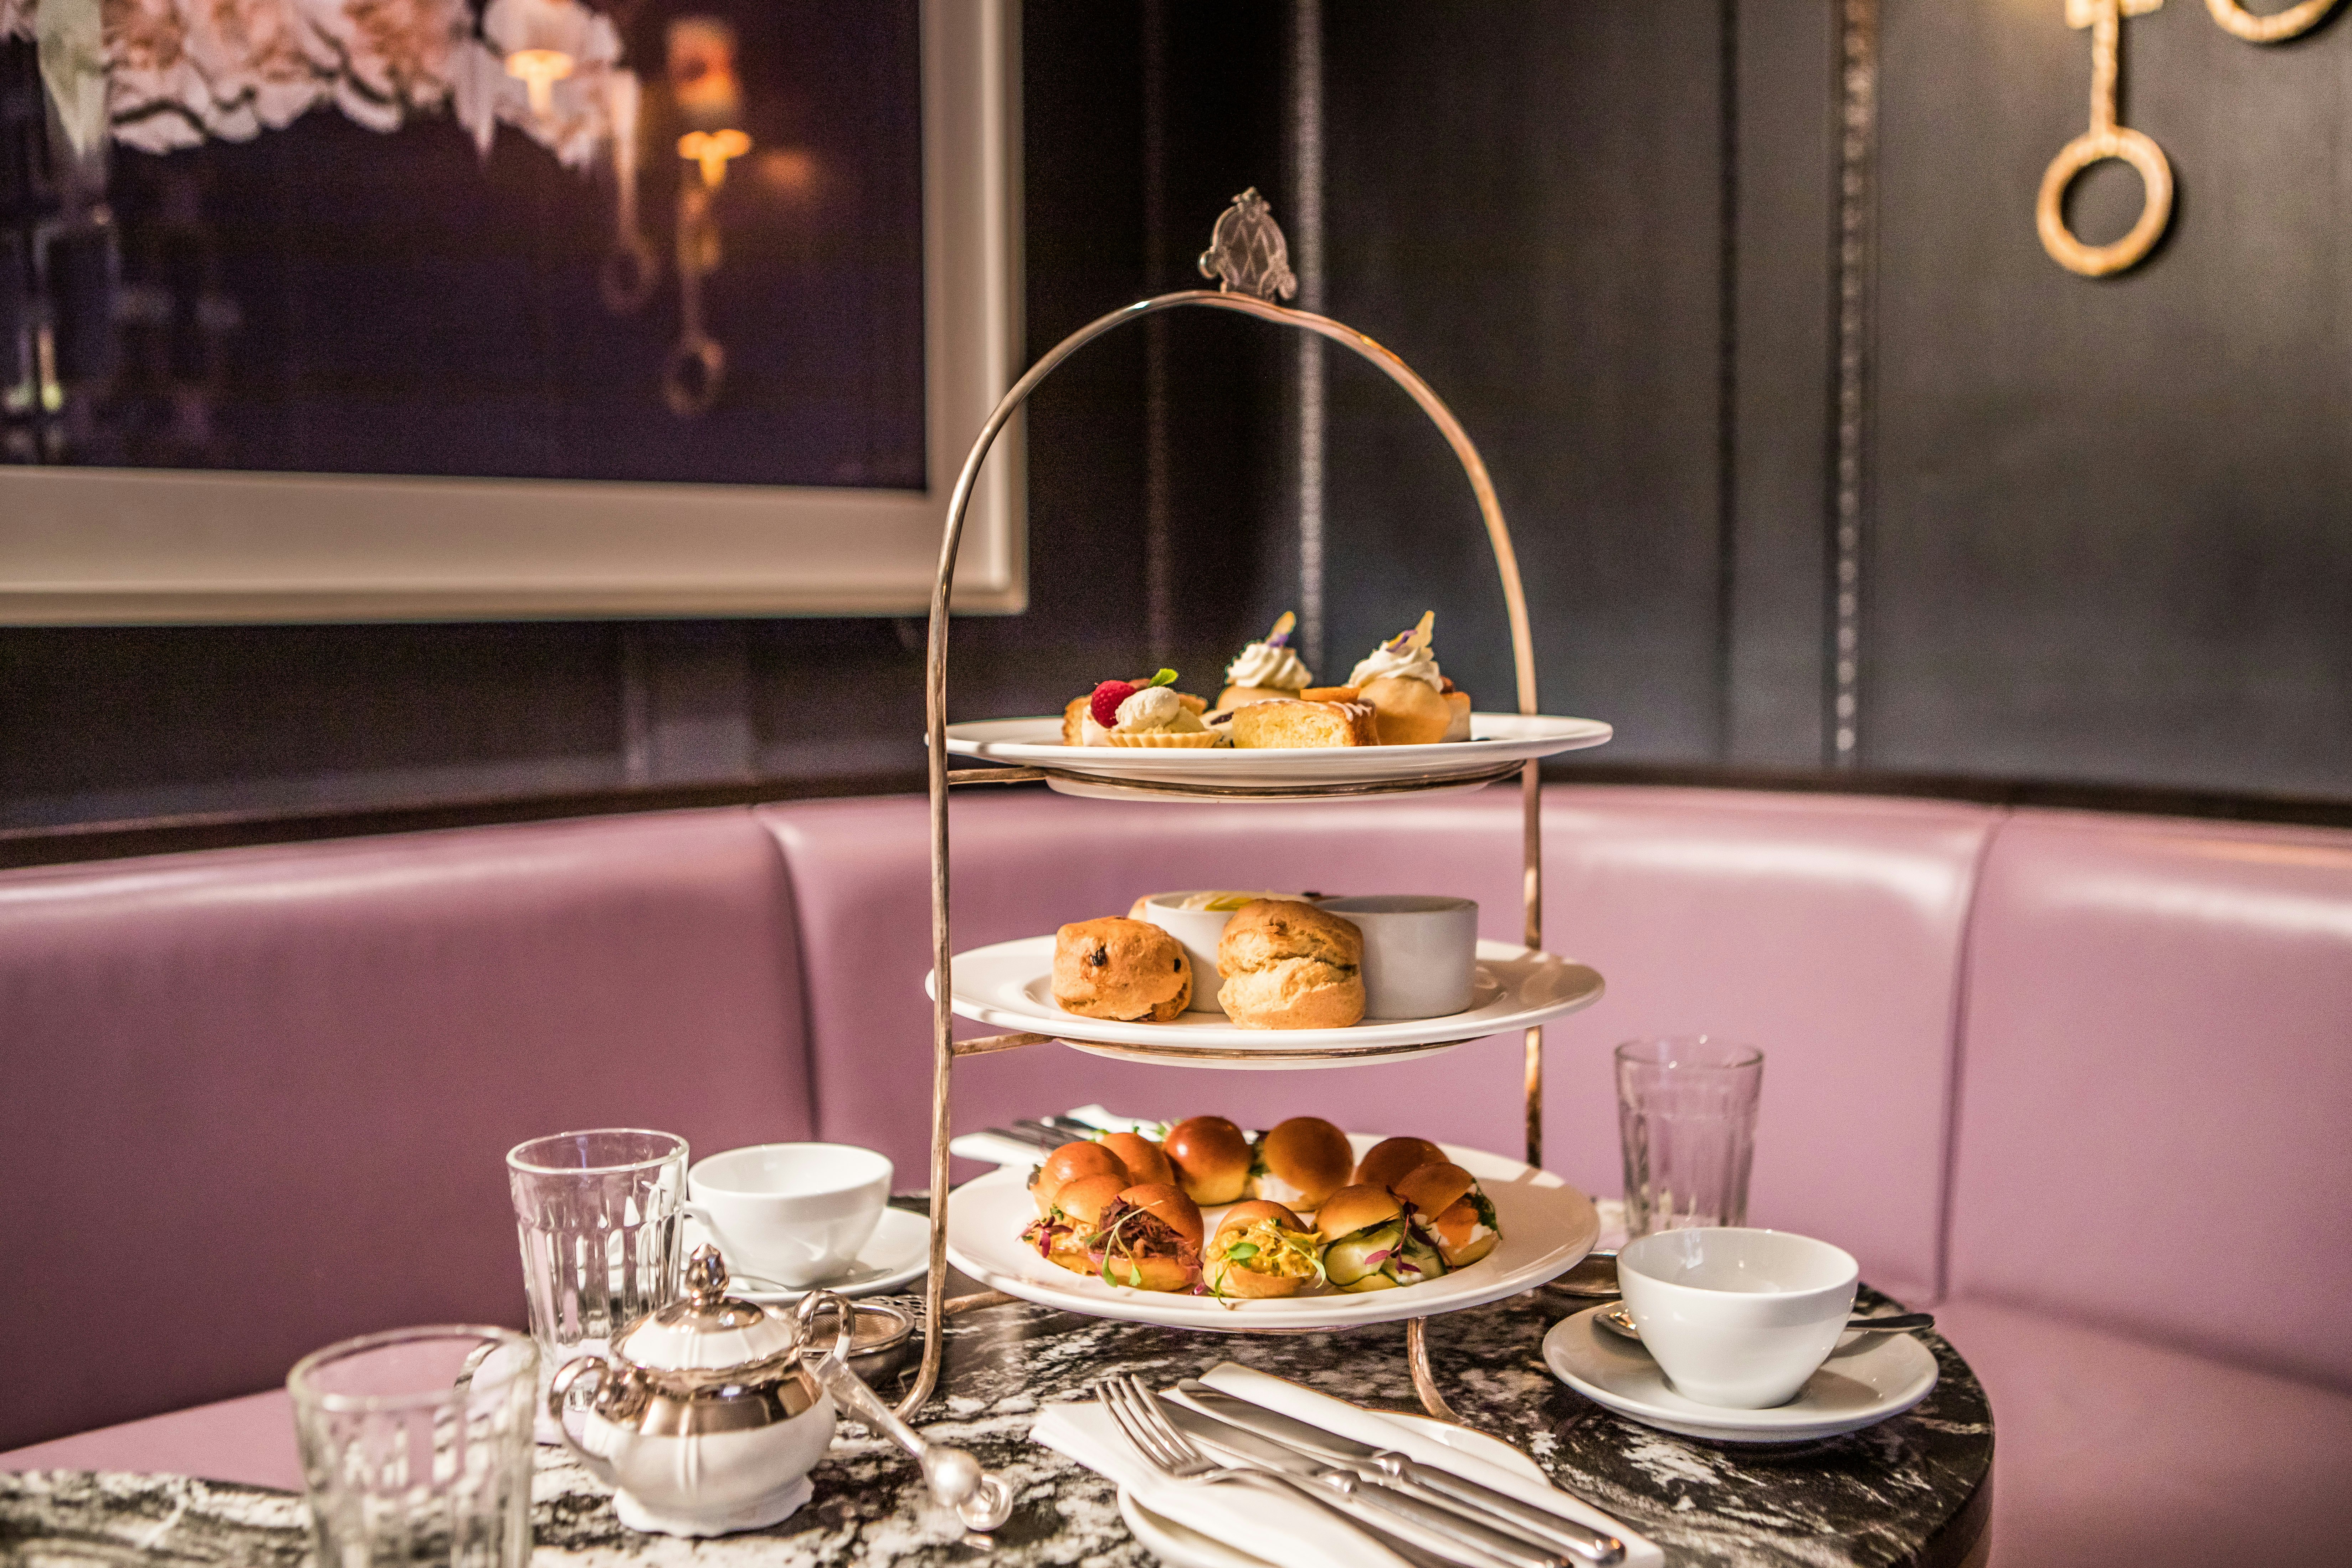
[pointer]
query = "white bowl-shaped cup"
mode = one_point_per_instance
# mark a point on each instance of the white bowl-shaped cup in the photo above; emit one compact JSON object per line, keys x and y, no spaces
{"x":789,"y":1214}
{"x":1735,"y":1317}
{"x":1420,"y":951}
{"x":1197,"y":929}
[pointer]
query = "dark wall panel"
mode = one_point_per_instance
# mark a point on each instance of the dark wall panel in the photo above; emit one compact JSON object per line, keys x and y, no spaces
{"x":1522,"y":202}
{"x":2112,"y":534}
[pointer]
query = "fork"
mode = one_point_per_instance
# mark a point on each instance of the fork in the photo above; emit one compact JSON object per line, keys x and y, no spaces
{"x":1169,"y":1451}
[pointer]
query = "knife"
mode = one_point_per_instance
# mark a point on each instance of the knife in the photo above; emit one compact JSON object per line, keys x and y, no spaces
{"x":1466,"y":1539}
{"x":1590,"y":1545}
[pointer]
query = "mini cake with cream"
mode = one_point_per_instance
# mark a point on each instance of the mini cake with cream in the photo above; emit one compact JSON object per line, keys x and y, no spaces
{"x":1266,"y":670}
{"x":1413,"y":702}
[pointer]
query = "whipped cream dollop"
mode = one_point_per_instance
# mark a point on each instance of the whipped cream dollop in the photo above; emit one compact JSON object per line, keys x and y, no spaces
{"x":1150,"y":708}
{"x":1268,"y":666}
{"x":1411,"y":663}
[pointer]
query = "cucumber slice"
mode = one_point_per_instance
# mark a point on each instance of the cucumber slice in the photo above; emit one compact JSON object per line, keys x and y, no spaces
{"x":1345,"y":1260}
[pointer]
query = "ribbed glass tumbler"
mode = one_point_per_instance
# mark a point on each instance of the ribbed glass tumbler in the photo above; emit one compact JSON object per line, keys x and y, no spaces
{"x":1687,"y":1121}
{"x":416,"y":1448}
{"x":597,"y":1215}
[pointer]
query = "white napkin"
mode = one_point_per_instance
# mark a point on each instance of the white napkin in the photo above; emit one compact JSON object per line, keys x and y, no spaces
{"x":1365,"y":1426}
{"x":1254,"y":1520}
{"x":1283,"y":1530}
{"x":995,"y":1148}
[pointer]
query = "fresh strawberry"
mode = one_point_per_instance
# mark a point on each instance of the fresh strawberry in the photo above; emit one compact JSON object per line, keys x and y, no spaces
{"x":1107,"y":697}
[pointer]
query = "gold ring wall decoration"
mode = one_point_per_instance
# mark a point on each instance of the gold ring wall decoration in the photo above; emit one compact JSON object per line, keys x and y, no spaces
{"x":2104,"y":140}
{"x":2275,"y":29}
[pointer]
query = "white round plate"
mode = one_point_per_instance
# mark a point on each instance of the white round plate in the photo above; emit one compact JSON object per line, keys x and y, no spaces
{"x":894,"y":1253}
{"x":1496,"y":741}
{"x":1181,"y":1546}
{"x":1860,"y":1385}
{"x":1548,"y":1228}
{"x":1011,"y":986}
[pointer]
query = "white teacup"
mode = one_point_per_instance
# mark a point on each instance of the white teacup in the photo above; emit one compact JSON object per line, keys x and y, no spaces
{"x":789,"y":1214}
{"x":1420,"y":951}
{"x":1735,"y":1317}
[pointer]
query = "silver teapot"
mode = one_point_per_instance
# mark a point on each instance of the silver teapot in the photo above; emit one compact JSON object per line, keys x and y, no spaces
{"x":706,"y":1416}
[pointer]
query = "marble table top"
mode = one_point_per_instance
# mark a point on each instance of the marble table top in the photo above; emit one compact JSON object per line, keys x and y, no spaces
{"x":1908,"y":1490}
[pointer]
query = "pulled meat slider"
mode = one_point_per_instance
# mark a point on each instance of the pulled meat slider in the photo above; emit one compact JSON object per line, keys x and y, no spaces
{"x":1064,"y":1235}
{"x":1149,"y":1239}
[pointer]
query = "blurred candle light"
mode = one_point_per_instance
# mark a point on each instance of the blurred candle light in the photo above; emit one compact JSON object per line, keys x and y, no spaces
{"x":712,"y":149}
{"x":539,"y":70}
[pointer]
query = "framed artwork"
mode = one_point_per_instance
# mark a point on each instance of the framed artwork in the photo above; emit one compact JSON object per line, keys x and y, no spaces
{"x":363,"y":309}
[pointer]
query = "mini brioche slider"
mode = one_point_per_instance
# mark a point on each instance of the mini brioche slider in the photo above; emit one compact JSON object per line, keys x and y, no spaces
{"x":1141,"y":1156}
{"x":1212,"y":1159}
{"x":1067,"y":1164}
{"x":1149,"y":1239}
{"x":1262,"y":1249}
{"x":1302,"y":1162}
{"x":1371,"y":1244}
{"x":1063,"y":1234}
{"x":1388,"y":1161}
{"x":1449,"y":1209}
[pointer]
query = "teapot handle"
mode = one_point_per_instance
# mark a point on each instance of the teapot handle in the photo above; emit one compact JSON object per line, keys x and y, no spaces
{"x":559,"y":1396}
{"x":981,"y":1501}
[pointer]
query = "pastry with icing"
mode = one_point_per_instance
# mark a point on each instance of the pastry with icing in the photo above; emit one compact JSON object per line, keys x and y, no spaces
{"x":1413,"y":702}
{"x":1266,"y":670}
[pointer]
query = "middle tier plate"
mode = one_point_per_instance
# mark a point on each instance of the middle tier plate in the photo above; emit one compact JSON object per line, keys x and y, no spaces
{"x":1010,"y":986}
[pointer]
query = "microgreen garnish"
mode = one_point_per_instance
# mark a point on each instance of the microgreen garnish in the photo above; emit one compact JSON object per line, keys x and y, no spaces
{"x":1165,"y":677}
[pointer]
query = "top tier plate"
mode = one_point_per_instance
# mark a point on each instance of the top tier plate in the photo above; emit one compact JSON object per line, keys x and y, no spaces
{"x":1498,"y":743}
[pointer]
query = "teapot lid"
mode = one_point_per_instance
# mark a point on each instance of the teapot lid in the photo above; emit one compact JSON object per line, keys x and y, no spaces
{"x":707,"y":1330}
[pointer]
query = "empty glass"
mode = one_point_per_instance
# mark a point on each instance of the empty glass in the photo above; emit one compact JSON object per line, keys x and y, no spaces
{"x":416,"y":1448}
{"x":1686,"y":1118}
{"x":597,"y":1215}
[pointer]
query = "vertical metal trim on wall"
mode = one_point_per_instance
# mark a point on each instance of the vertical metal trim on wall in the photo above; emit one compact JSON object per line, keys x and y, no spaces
{"x":1305,"y":229}
{"x":1726,"y":366}
{"x":1856,"y":252}
{"x":1159,"y":543}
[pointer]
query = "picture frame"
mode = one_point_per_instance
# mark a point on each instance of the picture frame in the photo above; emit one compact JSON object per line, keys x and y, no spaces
{"x":120,"y":546}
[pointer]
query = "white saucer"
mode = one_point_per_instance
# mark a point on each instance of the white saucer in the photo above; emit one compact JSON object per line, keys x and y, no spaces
{"x":1181,"y":1546}
{"x":894,"y":1253}
{"x":1860,"y":1385}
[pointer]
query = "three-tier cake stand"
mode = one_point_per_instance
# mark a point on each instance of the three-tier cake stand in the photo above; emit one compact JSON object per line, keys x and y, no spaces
{"x":1249,"y":257}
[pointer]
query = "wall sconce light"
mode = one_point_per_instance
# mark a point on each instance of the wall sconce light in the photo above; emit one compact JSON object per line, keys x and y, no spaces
{"x":539,"y":70}
{"x":711,"y":150}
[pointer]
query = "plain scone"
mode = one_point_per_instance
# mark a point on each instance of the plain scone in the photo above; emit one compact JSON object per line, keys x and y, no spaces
{"x":1122,"y":969}
{"x":1289,"y":965}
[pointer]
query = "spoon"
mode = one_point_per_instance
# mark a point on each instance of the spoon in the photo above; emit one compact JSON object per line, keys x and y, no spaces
{"x":1618,"y":1319}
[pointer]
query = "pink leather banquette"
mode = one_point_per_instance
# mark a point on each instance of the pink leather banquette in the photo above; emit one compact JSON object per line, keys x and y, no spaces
{"x":2083,"y":1082}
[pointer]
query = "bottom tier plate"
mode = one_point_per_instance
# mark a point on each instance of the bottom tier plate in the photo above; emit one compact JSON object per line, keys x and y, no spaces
{"x":1548,"y":1228}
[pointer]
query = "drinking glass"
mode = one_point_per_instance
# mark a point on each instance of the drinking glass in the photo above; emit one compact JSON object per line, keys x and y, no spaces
{"x":597,"y":1213}
{"x":416,"y":1448}
{"x":1686,"y":1119}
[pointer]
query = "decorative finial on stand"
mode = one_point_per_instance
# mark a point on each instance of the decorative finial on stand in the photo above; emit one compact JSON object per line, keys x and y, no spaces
{"x":1247,"y":253}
